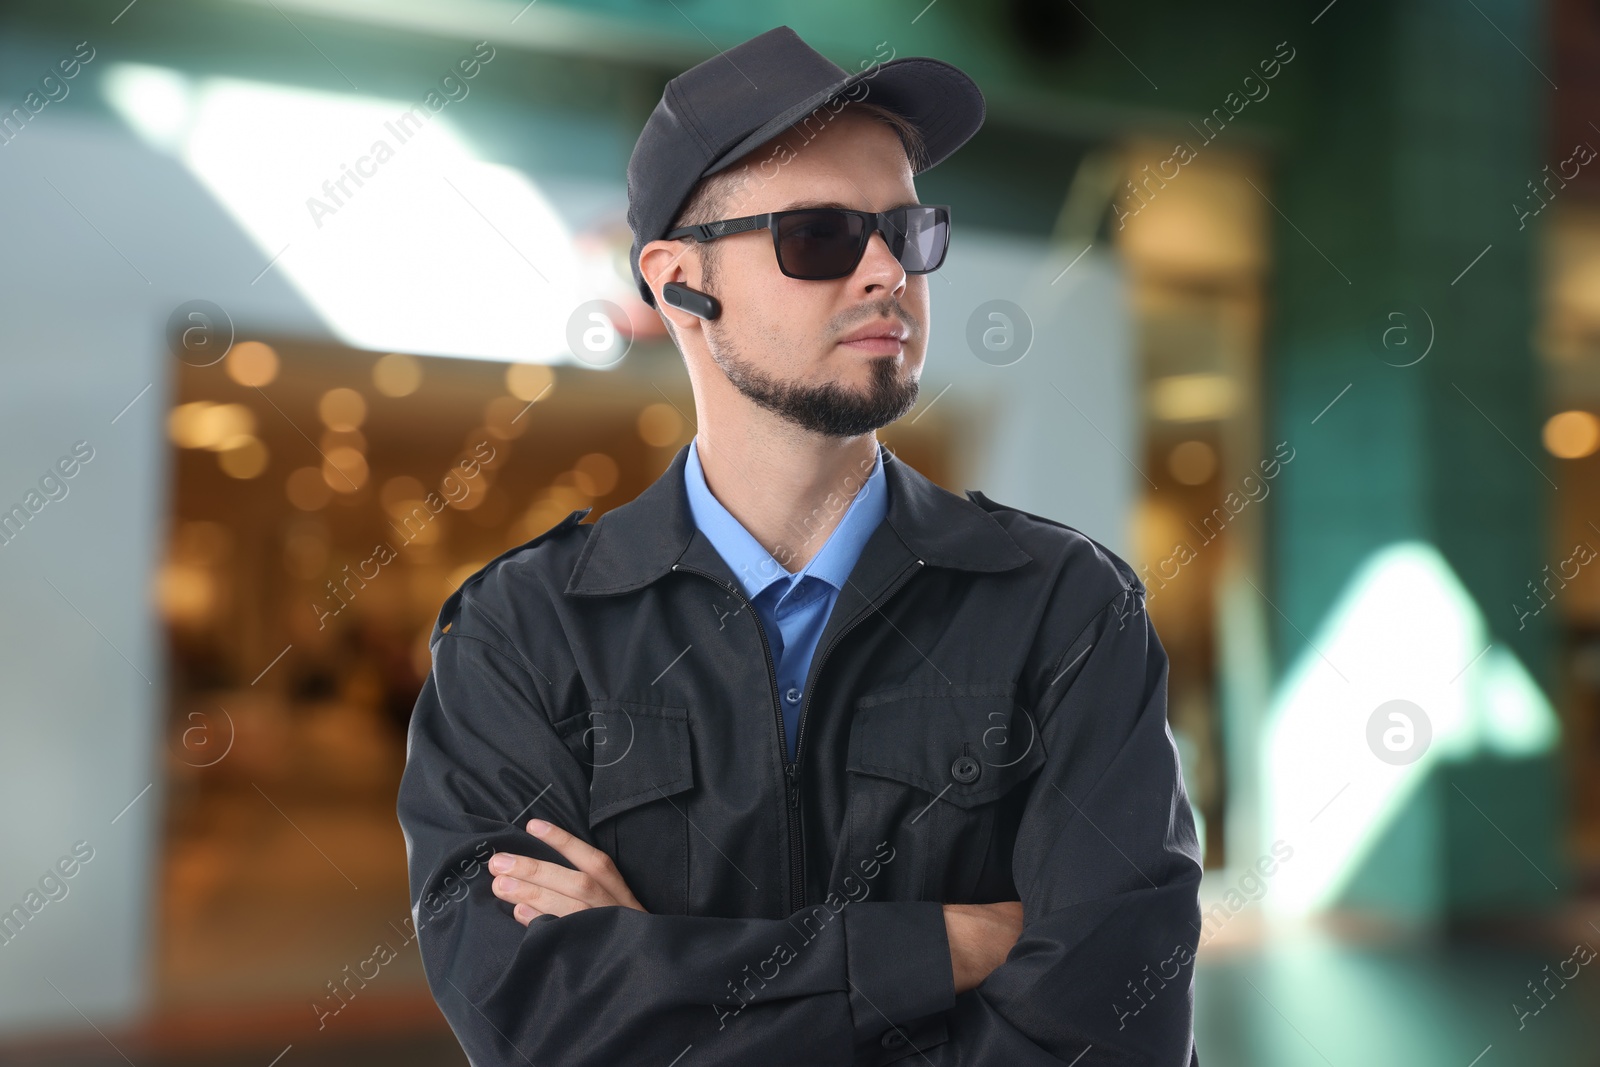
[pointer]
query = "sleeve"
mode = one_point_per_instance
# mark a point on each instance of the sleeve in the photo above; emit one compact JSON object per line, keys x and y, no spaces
{"x":615,"y":985}
{"x":1107,"y":864}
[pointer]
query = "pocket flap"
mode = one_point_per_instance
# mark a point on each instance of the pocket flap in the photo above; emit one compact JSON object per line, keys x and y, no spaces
{"x":637,"y":753}
{"x":966,"y":743}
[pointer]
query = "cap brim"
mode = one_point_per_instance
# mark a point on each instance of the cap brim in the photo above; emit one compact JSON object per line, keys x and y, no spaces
{"x":940,"y":100}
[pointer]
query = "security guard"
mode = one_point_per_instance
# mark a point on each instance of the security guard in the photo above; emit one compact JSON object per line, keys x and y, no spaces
{"x":798,"y":758}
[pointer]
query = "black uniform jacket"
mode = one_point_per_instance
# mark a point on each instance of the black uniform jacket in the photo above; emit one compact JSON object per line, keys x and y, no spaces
{"x":984,"y":720}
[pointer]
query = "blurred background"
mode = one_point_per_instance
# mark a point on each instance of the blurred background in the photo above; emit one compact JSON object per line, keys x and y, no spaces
{"x":1294,"y":306}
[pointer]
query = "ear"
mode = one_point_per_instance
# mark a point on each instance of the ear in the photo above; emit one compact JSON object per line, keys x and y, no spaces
{"x":661,"y":262}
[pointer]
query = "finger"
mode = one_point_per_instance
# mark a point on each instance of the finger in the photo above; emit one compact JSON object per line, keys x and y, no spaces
{"x":533,"y":899}
{"x":564,"y":880}
{"x":530,"y":901}
{"x":588,"y":859}
{"x":583,"y":855}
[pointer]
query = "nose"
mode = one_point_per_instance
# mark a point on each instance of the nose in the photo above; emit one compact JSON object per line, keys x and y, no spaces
{"x":879,"y":269}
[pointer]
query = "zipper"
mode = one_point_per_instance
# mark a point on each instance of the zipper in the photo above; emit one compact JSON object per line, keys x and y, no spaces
{"x":791,"y":793}
{"x":791,"y":776}
{"x":797,"y":858}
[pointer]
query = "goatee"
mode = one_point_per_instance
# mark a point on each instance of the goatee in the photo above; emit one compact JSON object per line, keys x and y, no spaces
{"x":830,"y":409}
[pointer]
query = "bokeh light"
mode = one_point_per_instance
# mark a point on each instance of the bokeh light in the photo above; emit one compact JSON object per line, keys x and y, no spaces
{"x":660,"y":425}
{"x":252,"y":363}
{"x":529,"y":381}
{"x":345,"y":469}
{"x":397,"y":374}
{"x":1192,"y":462}
{"x":242,"y":456}
{"x":1572,"y":434}
{"x":307,"y":489}
{"x":204,"y":424}
{"x":342,"y":409}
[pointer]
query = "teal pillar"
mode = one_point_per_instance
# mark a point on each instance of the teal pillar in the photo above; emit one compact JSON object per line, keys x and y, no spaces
{"x":1396,"y":236}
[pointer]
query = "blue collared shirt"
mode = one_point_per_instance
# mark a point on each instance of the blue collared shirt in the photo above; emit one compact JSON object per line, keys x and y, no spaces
{"x":793,"y":607}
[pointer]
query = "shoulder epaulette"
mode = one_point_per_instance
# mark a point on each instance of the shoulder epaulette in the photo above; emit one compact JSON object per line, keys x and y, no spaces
{"x":447,"y":612}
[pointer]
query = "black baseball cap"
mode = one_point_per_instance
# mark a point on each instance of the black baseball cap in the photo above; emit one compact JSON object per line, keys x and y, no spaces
{"x":717,"y":112}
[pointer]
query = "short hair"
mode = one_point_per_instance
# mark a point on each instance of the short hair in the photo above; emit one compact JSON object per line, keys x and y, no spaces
{"x":709,"y":199}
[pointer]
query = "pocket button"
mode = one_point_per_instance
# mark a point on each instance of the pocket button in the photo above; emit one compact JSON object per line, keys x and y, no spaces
{"x":965,"y":769}
{"x":892,"y":1039}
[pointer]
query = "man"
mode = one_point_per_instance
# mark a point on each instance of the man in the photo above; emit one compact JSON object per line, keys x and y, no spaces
{"x":799,"y":758}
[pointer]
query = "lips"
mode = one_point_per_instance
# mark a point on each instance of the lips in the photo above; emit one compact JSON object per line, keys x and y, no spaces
{"x":882,"y":339}
{"x":876,"y":331}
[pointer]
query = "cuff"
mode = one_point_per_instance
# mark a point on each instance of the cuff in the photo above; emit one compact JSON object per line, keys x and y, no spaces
{"x":897,"y":957}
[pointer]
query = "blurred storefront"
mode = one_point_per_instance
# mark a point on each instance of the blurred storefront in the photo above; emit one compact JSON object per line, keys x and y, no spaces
{"x":413,"y":473}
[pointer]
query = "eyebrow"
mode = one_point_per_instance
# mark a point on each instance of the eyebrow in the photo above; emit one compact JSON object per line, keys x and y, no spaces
{"x":802,"y":204}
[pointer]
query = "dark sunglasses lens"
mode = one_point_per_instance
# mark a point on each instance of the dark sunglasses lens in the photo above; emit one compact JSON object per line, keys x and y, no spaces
{"x":827,"y":243}
{"x":819,"y":244}
{"x":926,"y":236}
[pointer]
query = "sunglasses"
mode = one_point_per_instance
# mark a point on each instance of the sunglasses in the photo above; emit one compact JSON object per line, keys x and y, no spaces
{"x":816,"y":244}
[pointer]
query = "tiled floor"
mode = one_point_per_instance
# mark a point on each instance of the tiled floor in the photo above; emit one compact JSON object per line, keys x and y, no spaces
{"x":403,"y":1050}
{"x":1304,"y":999}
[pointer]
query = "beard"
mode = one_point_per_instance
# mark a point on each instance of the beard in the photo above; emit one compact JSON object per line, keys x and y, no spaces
{"x":830,"y":409}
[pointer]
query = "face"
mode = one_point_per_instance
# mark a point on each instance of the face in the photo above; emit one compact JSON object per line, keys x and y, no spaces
{"x":779,"y":340}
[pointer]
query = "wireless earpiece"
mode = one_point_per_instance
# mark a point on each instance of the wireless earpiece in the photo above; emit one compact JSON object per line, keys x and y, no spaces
{"x":701,"y":305}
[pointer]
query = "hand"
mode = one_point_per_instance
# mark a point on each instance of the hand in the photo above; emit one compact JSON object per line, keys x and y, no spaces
{"x":981,"y":937}
{"x":541,"y":887}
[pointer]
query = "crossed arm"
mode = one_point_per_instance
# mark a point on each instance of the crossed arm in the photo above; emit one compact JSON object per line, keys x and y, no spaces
{"x":980,"y":935}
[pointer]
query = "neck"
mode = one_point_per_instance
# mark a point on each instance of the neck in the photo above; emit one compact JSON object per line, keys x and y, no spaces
{"x":789,"y":492}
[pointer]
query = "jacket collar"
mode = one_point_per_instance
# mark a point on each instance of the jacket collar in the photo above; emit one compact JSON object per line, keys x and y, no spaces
{"x":635,"y":543}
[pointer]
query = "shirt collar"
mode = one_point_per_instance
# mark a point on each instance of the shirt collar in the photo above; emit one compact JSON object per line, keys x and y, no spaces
{"x":638,"y":542}
{"x":752,"y":564}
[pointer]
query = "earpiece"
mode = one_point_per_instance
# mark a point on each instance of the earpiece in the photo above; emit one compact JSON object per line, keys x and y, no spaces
{"x":701,"y":305}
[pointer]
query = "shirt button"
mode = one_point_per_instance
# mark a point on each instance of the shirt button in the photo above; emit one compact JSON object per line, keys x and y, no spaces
{"x":965,"y":769}
{"x":793,"y":695}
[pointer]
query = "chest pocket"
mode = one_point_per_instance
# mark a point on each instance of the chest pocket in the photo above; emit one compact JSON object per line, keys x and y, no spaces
{"x":934,"y":770}
{"x":640,"y":760}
